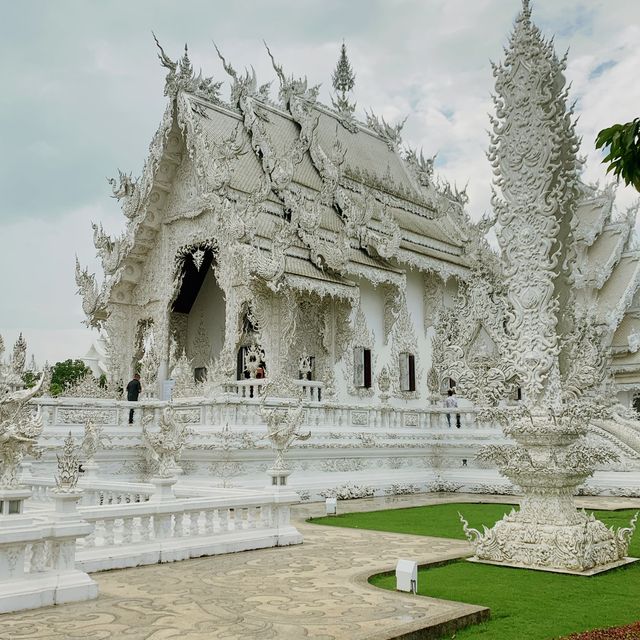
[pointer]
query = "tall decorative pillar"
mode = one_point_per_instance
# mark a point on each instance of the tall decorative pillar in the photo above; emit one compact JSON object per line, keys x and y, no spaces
{"x":533,"y":155}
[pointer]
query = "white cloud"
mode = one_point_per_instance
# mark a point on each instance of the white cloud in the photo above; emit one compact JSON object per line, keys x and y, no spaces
{"x":87,"y":95}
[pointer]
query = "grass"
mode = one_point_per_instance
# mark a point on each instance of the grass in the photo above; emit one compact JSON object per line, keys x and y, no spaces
{"x":525,"y":605}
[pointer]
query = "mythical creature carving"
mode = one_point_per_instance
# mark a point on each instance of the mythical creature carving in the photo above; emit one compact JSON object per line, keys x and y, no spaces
{"x":20,"y":428}
{"x":182,"y":77}
{"x":88,"y":289}
{"x":108,"y":250}
{"x":284,"y":418}
{"x":421,"y":167}
{"x":166,"y":444}
{"x":390,"y":133}
{"x":127,"y":190}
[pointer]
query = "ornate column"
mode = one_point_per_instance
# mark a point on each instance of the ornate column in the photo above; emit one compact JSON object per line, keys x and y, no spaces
{"x":533,"y":154}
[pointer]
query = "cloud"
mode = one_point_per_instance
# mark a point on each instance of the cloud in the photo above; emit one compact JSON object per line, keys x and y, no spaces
{"x":83,"y":97}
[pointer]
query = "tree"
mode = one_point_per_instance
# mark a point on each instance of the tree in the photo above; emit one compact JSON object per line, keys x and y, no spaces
{"x":623,"y":142}
{"x":66,"y":373}
{"x":30,"y":378}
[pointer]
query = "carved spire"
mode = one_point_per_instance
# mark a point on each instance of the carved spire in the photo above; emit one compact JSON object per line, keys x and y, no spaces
{"x":68,"y":467}
{"x":343,"y":80}
{"x":533,"y":153}
{"x":19,"y":356}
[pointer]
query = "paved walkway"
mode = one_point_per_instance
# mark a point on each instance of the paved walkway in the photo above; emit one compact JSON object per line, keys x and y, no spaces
{"x":315,"y":590}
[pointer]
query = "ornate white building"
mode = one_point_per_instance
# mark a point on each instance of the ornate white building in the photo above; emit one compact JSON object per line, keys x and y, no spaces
{"x":283,"y":225}
{"x":271,"y":236}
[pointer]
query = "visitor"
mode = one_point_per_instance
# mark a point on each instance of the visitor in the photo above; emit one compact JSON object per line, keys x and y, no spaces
{"x":133,"y":391}
{"x":451,"y":402}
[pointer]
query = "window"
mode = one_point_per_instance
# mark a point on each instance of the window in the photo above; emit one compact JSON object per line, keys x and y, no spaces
{"x":362,"y":368}
{"x":407,"y":372}
{"x":240,"y":372}
{"x":200,"y":374}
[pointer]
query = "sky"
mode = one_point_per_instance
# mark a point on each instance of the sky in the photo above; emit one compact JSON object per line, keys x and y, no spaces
{"x":82,"y":95}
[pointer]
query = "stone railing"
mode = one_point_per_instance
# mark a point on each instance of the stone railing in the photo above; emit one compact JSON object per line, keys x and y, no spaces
{"x":37,"y":558}
{"x":246,"y":389}
{"x":181,"y":528}
{"x":96,"y":492}
{"x":252,"y":388}
{"x":243,"y":408}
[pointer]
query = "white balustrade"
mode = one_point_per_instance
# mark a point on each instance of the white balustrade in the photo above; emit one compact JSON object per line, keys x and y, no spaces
{"x":150,"y":532}
{"x":37,"y":558}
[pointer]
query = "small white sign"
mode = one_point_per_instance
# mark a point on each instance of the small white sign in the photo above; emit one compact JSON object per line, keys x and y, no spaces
{"x":407,"y":576}
{"x":332,"y":506}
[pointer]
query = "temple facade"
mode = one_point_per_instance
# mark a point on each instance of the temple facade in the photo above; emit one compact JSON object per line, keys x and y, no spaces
{"x":277,"y":236}
{"x":270,"y":236}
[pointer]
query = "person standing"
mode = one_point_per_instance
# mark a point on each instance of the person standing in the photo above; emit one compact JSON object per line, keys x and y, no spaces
{"x":133,"y":391}
{"x":451,"y":402}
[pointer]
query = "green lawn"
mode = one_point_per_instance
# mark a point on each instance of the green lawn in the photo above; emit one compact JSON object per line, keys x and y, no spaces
{"x":525,"y":605}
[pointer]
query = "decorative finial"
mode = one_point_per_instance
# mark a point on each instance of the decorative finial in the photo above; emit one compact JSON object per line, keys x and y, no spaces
{"x":526,"y":10}
{"x":68,"y":467}
{"x":343,"y":80}
{"x":165,"y":60}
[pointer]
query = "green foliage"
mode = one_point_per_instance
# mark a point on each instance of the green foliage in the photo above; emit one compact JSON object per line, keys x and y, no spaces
{"x":66,"y":373}
{"x":30,"y":379}
{"x":535,"y":605}
{"x":623,"y":157}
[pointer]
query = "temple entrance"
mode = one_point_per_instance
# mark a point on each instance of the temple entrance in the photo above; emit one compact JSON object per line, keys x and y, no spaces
{"x":198,"y":312}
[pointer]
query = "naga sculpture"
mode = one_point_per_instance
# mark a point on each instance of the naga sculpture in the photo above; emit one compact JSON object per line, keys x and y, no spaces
{"x":20,"y":428}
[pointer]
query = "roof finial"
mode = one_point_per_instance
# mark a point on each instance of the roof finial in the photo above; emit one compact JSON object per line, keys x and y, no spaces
{"x":526,"y":9}
{"x":343,"y":80}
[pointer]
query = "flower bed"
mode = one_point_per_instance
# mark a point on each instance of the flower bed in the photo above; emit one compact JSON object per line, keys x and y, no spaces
{"x":629,"y":632}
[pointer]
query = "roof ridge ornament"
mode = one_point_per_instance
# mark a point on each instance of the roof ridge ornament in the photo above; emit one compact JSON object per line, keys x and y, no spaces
{"x":182,"y":77}
{"x":390,"y":133}
{"x":292,"y":87}
{"x":245,"y":85}
{"x":343,"y":80}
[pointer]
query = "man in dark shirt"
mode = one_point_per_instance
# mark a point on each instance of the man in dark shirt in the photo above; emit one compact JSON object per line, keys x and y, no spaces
{"x":133,"y":391}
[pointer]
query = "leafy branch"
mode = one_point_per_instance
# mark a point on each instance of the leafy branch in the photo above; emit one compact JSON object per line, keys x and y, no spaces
{"x":623,"y":142}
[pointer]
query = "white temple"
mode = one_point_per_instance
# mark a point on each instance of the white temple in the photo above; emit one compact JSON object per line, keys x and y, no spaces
{"x":272,"y":237}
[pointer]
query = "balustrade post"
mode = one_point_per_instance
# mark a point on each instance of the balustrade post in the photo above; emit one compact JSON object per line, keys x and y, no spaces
{"x":162,"y":525}
{"x":163,"y":489}
{"x":194,"y":523}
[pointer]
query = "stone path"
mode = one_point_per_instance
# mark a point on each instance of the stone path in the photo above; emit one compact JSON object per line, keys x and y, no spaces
{"x":315,"y":590}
